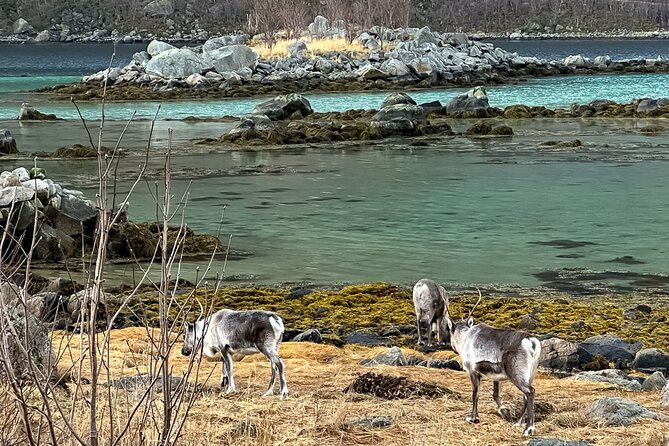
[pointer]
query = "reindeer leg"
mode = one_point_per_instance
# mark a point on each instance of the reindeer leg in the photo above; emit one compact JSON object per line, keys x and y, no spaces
{"x":227,"y":358}
{"x":224,"y":372}
{"x":429,"y":332}
{"x":420,"y":334}
{"x":529,"y":403}
{"x":476,"y":382}
{"x":272,"y":357}
{"x":502,"y":410}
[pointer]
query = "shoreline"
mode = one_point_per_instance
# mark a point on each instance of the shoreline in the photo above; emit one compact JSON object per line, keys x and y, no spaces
{"x":514,"y":35}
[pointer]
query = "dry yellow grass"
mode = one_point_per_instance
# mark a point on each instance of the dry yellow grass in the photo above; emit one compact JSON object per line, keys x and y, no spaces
{"x":314,"y":47}
{"x":316,"y":409}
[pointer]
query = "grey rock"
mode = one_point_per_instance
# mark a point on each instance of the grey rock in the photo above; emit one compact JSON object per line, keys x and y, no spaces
{"x":311,"y":335}
{"x":397,"y":98}
{"x":664,"y":396}
{"x":73,"y":213}
{"x":400,"y":118}
{"x":529,"y":322}
{"x":577,"y":61}
{"x":283,"y":106}
{"x":647,"y":105}
{"x":319,"y":26}
{"x":176,"y":64}
{"x":324,"y":66}
{"x":156,"y":47}
{"x":374,"y":421}
{"x":369,"y":72}
{"x":298,"y":48}
{"x":40,"y":187}
{"x":651,"y":359}
{"x":602,"y":60}
{"x":618,"y":411}
{"x":43,"y":36}
{"x":22,"y":173}
{"x":450,"y":364}
{"x":53,"y":244}
{"x":557,"y":442}
{"x":369,"y":42}
{"x":396,"y":68}
{"x":366,"y":338}
{"x":21,"y":26}
{"x":654,"y":382}
{"x":38,"y":342}
{"x":467,"y":104}
{"x":256,"y":122}
{"x":611,"y":376}
{"x":15,"y":194}
{"x":231,"y":58}
{"x":425,"y":36}
{"x":29,"y":113}
{"x":558,"y":354}
{"x":159,"y":8}
{"x":459,"y":39}
{"x":7,"y":143}
{"x":612,"y":348}
{"x":393,"y":357}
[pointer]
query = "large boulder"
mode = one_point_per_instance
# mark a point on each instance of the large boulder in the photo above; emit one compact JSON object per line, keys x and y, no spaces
{"x":612,"y":348}
{"x":157,"y":46}
{"x":21,"y":26}
{"x":614,"y":411}
{"x":29,"y":338}
{"x":219,"y":42}
{"x":231,"y":58}
{"x":474,"y":102}
{"x":176,"y":64}
{"x":396,"y":68}
{"x":298,"y":48}
{"x":31,"y":114}
{"x":664,"y":396}
{"x":558,"y":354}
{"x":159,"y":8}
{"x":43,"y":36}
{"x":393,"y":356}
{"x":647,"y":105}
{"x":577,"y":61}
{"x":425,"y":36}
{"x":283,"y":106}
{"x":15,"y":194}
{"x":651,"y":359}
{"x":397,"y":98}
{"x":73,"y":213}
{"x":319,"y":27}
{"x":654,"y":382}
{"x":7,"y":143}
{"x":370,"y":73}
{"x":403,"y":119}
{"x":311,"y":335}
{"x":259,"y":123}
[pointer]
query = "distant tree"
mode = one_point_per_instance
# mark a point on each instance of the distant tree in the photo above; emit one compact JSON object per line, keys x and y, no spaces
{"x":263,"y":19}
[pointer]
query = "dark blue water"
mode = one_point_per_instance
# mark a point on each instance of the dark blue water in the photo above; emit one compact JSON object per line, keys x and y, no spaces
{"x":616,"y":48}
{"x":64,"y":59}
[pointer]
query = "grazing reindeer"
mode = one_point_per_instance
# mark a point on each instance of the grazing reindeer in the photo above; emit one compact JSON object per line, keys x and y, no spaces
{"x":242,"y":332}
{"x":428,"y":301}
{"x":497,"y":354}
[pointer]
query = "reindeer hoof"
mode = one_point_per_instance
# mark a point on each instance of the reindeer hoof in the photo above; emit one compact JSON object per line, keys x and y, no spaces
{"x":268,"y":393}
{"x":230,"y":390}
{"x":472,"y":420}
{"x":529,"y":431}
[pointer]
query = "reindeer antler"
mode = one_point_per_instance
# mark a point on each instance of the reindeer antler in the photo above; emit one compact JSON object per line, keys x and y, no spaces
{"x":446,"y":305}
{"x":477,"y":303}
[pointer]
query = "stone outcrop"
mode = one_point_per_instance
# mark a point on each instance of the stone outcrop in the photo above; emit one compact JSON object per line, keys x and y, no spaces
{"x":29,"y":113}
{"x":284,"y":106}
{"x":7,"y":143}
{"x":176,"y":64}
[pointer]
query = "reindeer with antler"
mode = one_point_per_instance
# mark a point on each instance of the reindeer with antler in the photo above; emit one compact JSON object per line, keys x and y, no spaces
{"x":498,"y":354}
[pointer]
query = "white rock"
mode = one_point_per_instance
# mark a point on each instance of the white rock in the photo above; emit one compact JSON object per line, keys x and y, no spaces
{"x":15,"y":194}
{"x":156,"y":47}
{"x":22,"y":173}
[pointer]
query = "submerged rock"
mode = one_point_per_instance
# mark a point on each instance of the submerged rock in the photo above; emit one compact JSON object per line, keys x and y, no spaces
{"x":403,"y":118}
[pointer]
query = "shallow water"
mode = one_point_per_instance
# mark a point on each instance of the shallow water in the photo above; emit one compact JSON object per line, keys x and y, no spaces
{"x":460,"y":210}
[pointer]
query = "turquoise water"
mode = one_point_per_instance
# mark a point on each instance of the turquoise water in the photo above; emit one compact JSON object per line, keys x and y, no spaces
{"x":460,"y":210}
{"x":550,"y":92}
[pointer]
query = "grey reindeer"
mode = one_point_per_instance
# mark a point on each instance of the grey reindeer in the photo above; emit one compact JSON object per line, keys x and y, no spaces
{"x":241,"y":332}
{"x":429,"y":304}
{"x":497,"y":354}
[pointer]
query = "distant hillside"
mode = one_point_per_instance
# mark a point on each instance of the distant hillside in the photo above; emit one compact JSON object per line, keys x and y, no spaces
{"x":81,"y":16}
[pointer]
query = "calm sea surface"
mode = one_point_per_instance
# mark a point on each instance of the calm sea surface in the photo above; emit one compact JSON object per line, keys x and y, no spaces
{"x":459,"y":210}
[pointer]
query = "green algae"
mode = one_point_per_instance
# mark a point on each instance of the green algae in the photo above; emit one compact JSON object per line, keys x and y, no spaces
{"x":375,"y":306}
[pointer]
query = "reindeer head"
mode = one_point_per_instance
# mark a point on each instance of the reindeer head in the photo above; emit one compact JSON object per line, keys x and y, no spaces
{"x":458,"y":329}
{"x":189,"y":339}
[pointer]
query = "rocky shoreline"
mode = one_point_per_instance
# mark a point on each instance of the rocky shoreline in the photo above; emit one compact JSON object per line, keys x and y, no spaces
{"x":402,"y":59}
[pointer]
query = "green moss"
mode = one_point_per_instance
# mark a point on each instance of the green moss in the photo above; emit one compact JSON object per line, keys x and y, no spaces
{"x":377,"y":305}
{"x":598,"y":363}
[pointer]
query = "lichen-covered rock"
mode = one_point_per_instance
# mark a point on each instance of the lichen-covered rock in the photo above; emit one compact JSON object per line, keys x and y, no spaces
{"x":618,"y":411}
{"x":654,"y":382}
{"x":404,"y":119}
{"x":651,"y":359}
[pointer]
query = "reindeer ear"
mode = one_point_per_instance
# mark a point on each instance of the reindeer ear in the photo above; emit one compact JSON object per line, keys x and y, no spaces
{"x":470,"y":321}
